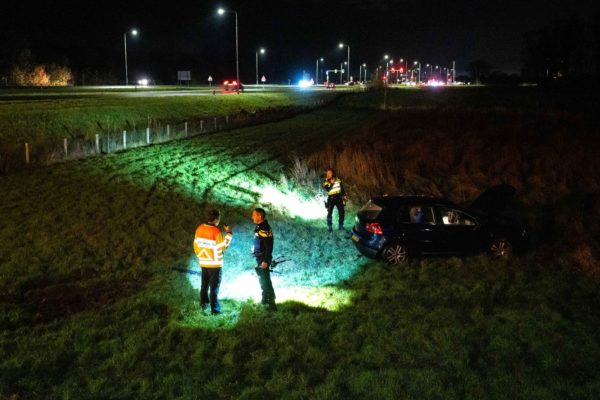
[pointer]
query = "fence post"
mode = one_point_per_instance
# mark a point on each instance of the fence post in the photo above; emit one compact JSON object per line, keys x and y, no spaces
{"x":97,"y":144}
{"x":186,"y":132}
{"x":27,"y":152}
{"x":65,"y":147}
{"x":124,"y":140}
{"x":201,"y":125}
{"x":215,"y":123}
{"x":147,"y":135}
{"x":168,"y":131}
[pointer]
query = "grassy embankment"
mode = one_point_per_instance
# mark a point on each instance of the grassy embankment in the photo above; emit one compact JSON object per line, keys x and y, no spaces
{"x":94,"y":310}
{"x":72,"y":115}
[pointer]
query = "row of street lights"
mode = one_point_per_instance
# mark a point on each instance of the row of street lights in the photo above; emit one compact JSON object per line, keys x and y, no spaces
{"x":449,"y":72}
{"x":222,"y":11}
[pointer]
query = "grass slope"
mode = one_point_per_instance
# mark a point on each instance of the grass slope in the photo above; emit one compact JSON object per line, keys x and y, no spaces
{"x":59,"y":115}
{"x":91,"y":307}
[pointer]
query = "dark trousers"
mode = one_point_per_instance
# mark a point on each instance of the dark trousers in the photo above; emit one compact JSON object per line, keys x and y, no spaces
{"x":335,"y":201}
{"x":211,"y":277}
{"x":264,"y":278}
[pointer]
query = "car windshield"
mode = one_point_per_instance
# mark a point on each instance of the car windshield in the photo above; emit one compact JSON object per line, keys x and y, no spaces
{"x":370,"y":210}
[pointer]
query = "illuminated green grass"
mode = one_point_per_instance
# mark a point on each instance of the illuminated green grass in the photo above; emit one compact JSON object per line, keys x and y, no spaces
{"x":91,"y":307}
{"x":59,"y":115}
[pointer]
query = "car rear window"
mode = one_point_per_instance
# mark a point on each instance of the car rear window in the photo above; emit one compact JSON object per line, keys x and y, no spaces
{"x":370,"y":210}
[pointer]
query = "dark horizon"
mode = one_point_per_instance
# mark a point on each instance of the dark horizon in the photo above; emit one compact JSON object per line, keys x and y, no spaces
{"x":187,"y":35}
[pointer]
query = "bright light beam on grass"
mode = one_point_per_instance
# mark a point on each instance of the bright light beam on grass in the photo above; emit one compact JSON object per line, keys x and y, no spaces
{"x":246,"y":287}
{"x":291,"y":203}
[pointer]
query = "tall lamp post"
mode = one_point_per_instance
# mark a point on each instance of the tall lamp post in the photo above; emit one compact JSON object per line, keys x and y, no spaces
{"x":317,"y":71}
{"x":134,"y":32}
{"x":341,"y":46}
{"x":419,"y":64}
{"x":360,"y":75}
{"x":387,"y":65}
{"x":261,"y":51}
{"x":342,"y":71}
{"x":222,"y":11}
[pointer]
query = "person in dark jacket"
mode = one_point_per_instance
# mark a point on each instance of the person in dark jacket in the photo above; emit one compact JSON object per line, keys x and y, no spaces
{"x":262,"y":249}
{"x":336,"y":197}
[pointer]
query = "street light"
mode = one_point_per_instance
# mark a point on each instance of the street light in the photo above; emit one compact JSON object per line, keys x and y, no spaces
{"x":342,"y":70}
{"x":317,"y":71}
{"x":419,"y":64}
{"x":341,"y":46}
{"x":134,"y":32}
{"x":222,"y":11}
{"x":387,"y":67}
{"x":262,"y":51}
{"x":360,"y":72}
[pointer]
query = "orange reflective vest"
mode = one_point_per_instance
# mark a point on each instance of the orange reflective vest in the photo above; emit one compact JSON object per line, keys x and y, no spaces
{"x":209,"y":245}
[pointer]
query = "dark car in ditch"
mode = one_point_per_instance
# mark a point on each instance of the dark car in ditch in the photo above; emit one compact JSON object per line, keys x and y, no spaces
{"x":396,"y":228}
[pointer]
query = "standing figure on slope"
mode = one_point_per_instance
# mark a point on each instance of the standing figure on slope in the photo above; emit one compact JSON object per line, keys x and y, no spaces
{"x":336,"y":197}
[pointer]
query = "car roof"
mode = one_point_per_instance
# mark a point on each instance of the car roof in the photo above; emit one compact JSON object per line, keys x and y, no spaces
{"x":394,"y":201}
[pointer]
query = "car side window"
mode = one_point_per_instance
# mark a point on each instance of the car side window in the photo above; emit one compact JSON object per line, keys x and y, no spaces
{"x":421,"y":215}
{"x":452,"y":216}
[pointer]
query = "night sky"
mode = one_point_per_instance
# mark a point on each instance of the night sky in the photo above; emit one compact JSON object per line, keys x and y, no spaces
{"x":189,"y":35}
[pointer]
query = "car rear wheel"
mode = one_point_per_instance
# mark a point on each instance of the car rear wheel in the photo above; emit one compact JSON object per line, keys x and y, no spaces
{"x":395,"y":253}
{"x":500,"y":249}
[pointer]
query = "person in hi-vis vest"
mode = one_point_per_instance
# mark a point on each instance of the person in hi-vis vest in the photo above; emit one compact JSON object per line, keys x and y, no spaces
{"x":209,"y":245}
{"x":336,"y":197}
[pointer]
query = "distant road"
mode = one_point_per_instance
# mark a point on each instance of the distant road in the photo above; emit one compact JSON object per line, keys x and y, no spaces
{"x":32,"y":94}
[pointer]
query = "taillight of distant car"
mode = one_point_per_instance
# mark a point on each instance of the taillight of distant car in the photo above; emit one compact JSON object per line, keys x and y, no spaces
{"x":374,"y":227}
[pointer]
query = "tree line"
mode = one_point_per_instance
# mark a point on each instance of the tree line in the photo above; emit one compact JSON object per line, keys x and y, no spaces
{"x":25,"y":71}
{"x":567,"y":49}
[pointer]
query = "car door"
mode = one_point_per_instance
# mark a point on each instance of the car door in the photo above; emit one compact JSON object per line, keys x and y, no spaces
{"x":426,"y":235}
{"x":459,"y":231}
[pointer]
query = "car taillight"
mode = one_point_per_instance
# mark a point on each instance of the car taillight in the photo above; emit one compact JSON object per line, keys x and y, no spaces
{"x":374,"y":227}
{"x":225,"y":83}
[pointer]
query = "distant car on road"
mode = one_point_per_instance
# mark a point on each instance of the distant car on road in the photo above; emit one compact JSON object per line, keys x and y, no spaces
{"x":233,"y":86}
{"x":395,"y":228}
{"x":330,"y":85}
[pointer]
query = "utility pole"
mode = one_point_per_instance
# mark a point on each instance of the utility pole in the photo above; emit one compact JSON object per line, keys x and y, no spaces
{"x":317,"y":71}
{"x":453,"y":72}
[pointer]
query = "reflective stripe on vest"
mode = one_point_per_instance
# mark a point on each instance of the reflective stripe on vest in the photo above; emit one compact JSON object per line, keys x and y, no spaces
{"x":209,"y":245}
{"x":336,"y":188}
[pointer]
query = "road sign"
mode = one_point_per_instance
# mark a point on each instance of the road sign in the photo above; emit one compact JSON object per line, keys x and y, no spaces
{"x":263,"y":79}
{"x":210,"y":79}
{"x":184,"y":76}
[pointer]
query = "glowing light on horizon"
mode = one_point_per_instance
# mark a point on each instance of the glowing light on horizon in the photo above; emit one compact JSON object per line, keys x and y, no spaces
{"x":435,"y":83}
{"x":304,"y":83}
